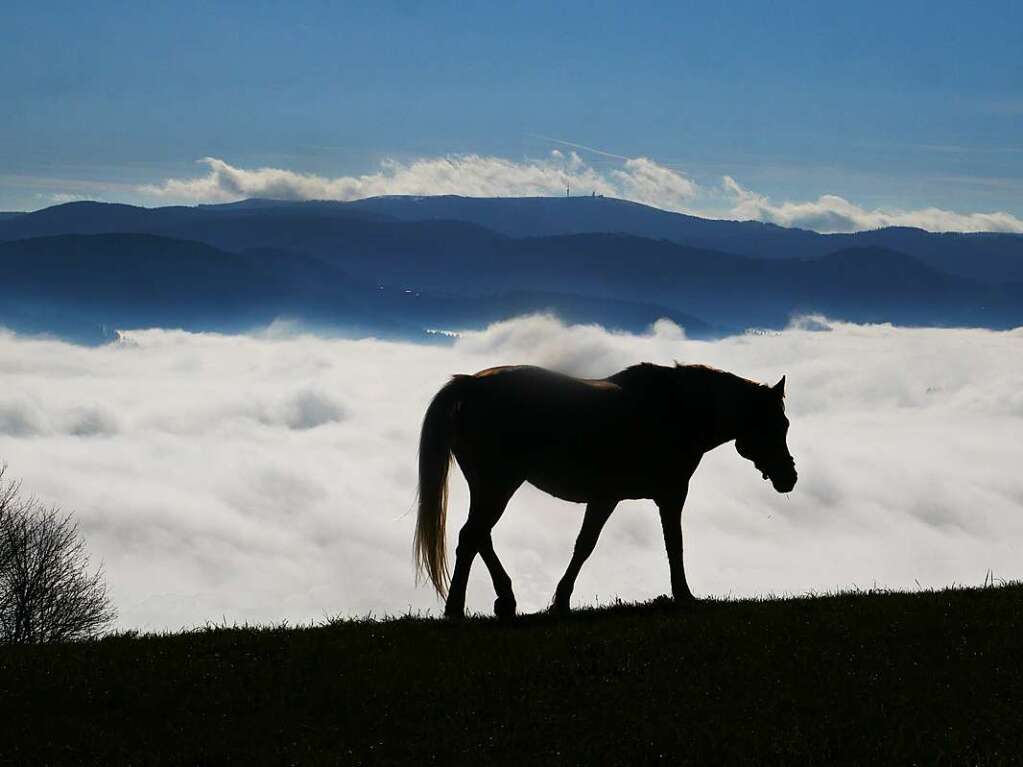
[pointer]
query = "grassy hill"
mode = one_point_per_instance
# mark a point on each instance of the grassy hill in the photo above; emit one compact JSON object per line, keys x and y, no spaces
{"x":868,"y":678}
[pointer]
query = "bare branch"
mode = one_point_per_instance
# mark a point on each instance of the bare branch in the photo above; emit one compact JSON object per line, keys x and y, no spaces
{"x":47,"y":591}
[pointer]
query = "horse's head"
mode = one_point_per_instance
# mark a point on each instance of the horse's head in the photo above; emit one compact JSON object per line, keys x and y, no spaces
{"x":761,"y":438}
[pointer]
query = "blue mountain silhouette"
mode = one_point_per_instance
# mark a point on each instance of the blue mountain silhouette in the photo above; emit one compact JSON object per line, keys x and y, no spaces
{"x":398,"y":264}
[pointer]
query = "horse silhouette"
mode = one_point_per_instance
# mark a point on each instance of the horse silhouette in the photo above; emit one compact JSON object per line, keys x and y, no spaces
{"x":637,"y":434}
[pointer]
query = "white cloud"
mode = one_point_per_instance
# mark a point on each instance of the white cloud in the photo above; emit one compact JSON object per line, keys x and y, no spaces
{"x":469,"y":174}
{"x":643,"y":180}
{"x":59,"y":198}
{"x":268,"y":477}
{"x":831,"y":213}
{"x":639,"y":179}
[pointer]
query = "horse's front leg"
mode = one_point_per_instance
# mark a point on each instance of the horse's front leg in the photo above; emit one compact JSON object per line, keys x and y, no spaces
{"x":671,"y":526}
{"x":597,"y":513}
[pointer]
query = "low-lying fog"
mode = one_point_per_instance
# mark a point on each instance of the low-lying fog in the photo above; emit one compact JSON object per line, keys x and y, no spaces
{"x":270,"y":477}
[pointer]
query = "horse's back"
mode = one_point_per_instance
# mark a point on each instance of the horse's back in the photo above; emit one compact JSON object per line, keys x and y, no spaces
{"x":539,"y":390}
{"x":569,"y":436}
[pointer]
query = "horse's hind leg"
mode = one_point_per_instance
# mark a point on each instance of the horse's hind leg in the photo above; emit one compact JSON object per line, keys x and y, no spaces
{"x":504,"y":606}
{"x":597,"y":513}
{"x":486,"y":505}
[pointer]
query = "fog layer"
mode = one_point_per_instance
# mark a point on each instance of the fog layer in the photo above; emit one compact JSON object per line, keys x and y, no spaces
{"x":272,"y":477}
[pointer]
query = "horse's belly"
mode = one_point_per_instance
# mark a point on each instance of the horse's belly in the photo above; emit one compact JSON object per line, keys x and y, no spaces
{"x":584,"y":474}
{"x":589,"y":485}
{"x":564,"y":488}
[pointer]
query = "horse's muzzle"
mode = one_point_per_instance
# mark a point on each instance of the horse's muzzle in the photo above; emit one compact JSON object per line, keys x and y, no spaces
{"x":783,"y":478}
{"x":784,"y":484}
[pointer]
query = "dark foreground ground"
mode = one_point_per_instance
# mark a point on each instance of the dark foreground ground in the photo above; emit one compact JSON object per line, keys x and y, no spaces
{"x":932,"y":678}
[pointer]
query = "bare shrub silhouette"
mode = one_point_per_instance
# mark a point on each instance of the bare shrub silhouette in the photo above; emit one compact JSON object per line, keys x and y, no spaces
{"x":47,"y":591}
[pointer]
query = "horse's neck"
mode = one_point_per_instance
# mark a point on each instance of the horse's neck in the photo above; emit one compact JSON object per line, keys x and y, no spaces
{"x":729,"y":405}
{"x":715,"y":402}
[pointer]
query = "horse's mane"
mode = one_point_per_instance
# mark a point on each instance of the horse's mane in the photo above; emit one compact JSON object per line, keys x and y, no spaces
{"x":700,"y":372}
{"x":649,"y":372}
{"x":698,"y":378}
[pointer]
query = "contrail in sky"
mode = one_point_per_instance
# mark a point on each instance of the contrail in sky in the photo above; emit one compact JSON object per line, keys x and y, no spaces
{"x":580,"y":146}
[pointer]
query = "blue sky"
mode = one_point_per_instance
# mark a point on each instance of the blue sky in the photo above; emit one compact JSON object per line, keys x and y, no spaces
{"x":890,"y":106}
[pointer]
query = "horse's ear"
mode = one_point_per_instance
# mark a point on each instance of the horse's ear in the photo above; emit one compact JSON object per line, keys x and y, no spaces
{"x":779,"y":388}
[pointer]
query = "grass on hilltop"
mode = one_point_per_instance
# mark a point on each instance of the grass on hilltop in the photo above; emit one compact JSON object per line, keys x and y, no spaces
{"x":854,"y":678}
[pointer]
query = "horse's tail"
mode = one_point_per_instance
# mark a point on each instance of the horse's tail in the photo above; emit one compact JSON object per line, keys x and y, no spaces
{"x":434,"y":460}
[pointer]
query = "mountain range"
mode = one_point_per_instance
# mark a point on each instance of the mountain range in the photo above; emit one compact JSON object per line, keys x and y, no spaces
{"x":397,"y":265}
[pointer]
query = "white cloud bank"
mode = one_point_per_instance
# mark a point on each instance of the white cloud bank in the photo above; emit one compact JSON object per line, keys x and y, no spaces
{"x":639,"y":179}
{"x":472,"y":175}
{"x":266,"y":477}
{"x":831,"y":213}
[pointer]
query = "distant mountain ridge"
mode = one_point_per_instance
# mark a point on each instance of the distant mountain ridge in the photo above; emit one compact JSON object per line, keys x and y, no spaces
{"x":986,"y":257}
{"x":992,"y":257}
{"x":396,"y":279}
{"x":396,"y":265}
{"x":82,"y":287}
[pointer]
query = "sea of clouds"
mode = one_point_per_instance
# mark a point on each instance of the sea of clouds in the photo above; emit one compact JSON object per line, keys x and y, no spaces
{"x":271,"y":476}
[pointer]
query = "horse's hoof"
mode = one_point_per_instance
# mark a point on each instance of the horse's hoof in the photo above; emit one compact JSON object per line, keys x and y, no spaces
{"x":681,"y":602}
{"x":504,"y":607}
{"x":561,"y":608}
{"x":454,"y":615}
{"x":684,"y":601}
